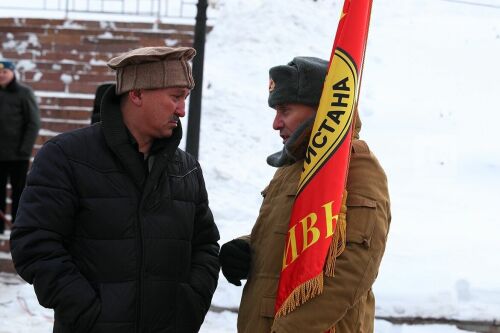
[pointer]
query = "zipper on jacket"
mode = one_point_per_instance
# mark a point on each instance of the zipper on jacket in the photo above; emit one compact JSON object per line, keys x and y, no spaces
{"x":140,"y":275}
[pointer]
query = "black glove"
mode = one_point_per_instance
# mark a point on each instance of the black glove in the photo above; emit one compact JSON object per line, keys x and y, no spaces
{"x":234,"y":259}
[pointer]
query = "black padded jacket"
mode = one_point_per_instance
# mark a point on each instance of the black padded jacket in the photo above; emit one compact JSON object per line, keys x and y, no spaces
{"x":110,"y":245}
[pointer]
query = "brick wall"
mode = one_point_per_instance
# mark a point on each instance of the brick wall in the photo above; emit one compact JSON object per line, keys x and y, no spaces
{"x":65,"y":61}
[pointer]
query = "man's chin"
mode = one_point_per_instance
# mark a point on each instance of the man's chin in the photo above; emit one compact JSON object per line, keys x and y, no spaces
{"x":167,"y":133}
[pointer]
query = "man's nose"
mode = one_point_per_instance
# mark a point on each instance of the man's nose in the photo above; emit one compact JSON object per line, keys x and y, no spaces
{"x":278,"y":122}
{"x":180,"y":111}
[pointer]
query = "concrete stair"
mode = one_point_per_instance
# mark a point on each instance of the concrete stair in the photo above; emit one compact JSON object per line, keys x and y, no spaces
{"x":64,"y":62}
{"x":71,"y":56}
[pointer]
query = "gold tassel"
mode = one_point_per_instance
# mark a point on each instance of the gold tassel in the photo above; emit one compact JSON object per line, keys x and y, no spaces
{"x":314,"y":286}
{"x":337,"y":245}
{"x":332,"y":329}
{"x":301,"y":294}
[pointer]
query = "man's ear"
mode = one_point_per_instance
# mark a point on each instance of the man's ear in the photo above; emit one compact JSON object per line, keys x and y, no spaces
{"x":135,"y":96}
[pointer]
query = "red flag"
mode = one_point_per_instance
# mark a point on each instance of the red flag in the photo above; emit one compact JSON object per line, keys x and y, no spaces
{"x":317,"y":224}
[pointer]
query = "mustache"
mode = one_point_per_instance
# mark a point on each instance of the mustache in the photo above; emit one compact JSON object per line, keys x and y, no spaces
{"x":175,"y":118}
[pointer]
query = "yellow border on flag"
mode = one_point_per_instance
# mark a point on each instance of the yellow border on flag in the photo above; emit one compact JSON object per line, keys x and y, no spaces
{"x":334,"y":116}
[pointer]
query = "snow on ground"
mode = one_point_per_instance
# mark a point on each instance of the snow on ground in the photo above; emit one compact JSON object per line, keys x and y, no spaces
{"x":429,"y":105}
{"x":20,"y":313}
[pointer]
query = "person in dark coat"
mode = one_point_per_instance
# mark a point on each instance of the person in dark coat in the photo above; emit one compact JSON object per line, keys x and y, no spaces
{"x":114,"y":228}
{"x":96,"y":110}
{"x":19,"y":125}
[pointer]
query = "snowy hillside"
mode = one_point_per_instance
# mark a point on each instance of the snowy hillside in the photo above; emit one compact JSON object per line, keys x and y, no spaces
{"x":429,"y":104}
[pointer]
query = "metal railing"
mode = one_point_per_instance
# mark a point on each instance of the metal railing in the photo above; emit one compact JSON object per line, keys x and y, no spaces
{"x":152,"y":8}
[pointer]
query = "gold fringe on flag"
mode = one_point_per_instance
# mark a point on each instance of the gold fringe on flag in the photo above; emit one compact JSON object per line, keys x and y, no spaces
{"x":301,"y":294}
{"x":337,"y":245}
{"x":314,"y":286}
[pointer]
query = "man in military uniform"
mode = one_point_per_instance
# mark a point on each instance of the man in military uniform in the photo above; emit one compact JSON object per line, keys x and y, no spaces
{"x":347,"y":303}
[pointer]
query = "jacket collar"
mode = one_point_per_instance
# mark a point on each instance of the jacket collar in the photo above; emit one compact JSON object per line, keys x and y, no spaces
{"x":12,"y":86}
{"x":295,"y":148}
{"x":117,"y":138}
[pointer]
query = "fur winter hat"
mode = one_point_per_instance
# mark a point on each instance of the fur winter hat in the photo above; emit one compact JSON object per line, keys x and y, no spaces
{"x":153,"y":68}
{"x":300,"y":81}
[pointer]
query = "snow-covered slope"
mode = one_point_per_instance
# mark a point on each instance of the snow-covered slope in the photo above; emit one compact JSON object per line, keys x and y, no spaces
{"x":429,"y":105}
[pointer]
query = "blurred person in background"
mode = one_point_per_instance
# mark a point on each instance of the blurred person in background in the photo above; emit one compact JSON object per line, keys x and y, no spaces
{"x":19,"y":126}
{"x":96,"y":110}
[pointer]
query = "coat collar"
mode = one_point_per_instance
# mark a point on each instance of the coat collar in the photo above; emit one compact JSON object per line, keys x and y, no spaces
{"x":12,"y":86}
{"x":295,"y":148}
{"x":117,"y":138}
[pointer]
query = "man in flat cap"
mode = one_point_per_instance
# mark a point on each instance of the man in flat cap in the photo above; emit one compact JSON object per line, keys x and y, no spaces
{"x":346,"y":304}
{"x":114,"y":228}
{"x":19,"y":125}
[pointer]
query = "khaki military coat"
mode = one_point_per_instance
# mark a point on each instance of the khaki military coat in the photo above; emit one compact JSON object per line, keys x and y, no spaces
{"x":347,"y":302}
